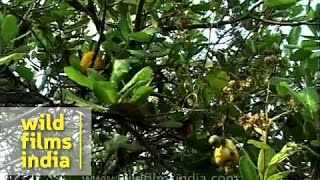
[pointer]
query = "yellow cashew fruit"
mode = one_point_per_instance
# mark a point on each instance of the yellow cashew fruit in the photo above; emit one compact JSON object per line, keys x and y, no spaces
{"x":86,"y":62}
{"x":226,"y":155}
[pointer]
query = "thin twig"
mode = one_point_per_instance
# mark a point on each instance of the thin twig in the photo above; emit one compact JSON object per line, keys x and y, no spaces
{"x":279,"y":116}
{"x":101,"y":37}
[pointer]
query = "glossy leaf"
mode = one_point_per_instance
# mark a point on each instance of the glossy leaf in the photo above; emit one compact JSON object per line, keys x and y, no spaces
{"x":309,"y":45}
{"x":70,"y":97}
{"x":119,"y":70}
{"x":279,"y":175}
{"x":125,"y":24}
{"x":283,"y":88}
{"x":106,"y":92}
{"x":7,"y":59}
{"x":280,"y":4}
{"x":115,"y":143}
{"x":140,"y":36}
{"x":126,"y":95}
{"x":9,"y":28}
{"x":218,"y":80}
{"x":78,"y":77}
{"x":286,"y":151}
{"x":95,"y":75}
{"x":294,"y":35}
{"x":258,"y":144}
{"x":75,"y":62}
{"x":264,"y":158}
{"x":308,"y":97}
{"x":144,"y":74}
{"x":25,"y":73}
{"x":141,"y":94}
{"x":247,"y":170}
{"x":300,"y":54}
{"x":150,"y":30}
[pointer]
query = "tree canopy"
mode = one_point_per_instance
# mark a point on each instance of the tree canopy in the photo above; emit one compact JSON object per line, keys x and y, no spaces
{"x":168,"y":74}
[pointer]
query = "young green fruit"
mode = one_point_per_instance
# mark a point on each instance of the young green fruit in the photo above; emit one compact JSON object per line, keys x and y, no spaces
{"x":215,"y":141}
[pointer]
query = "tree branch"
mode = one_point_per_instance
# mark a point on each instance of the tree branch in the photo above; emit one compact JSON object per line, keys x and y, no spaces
{"x":222,"y":23}
{"x":101,"y":35}
{"x":237,"y":20}
{"x":138,"y":23}
{"x":76,"y":5}
{"x":284,"y":23}
{"x":204,"y":25}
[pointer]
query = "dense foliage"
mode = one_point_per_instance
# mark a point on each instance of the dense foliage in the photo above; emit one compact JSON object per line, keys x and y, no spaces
{"x":174,"y":73}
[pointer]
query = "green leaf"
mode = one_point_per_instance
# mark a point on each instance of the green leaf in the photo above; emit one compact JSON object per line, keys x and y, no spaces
{"x":95,"y":75}
{"x":77,"y":25}
{"x":124,"y":23}
{"x":280,"y":4}
{"x":150,"y":30}
{"x":218,"y":80}
{"x":247,"y":170}
{"x":244,"y":151}
{"x":309,"y":126}
{"x":24,"y":48}
{"x":277,"y":79}
{"x":308,"y":98}
{"x":314,"y":15}
{"x":309,"y":45}
{"x":106,"y":92}
{"x":115,"y":143}
{"x":286,"y":151}
{"x":291,"y":46}
{"x":120,"y":68}
{"x":132,"y":146}
{"x":110,"y":47}
{"x":140,"y":36}
{"x":252,"y":46}
{"x":130,"y":2}
{"x":15,"y":56}
{"x":207,"y":94}
{"x":68,"y":96}
{"x":25,"y":73}
{"x":9,"y":28}
{"x":138,"y":53}
{"x":263,"y":160}
{"x":141,"y":94}
{"x":76,"y":76}
{"x":315,"y":143}
{"x":129,"y":91}
{"x":198,"y":8}
{"x":279,"y":175}
{"x":300,"y":54}
{"x":157,"y":54}
{"x":169,"y":124}
{"x":142,"y":54}
{"x":317,"y":12}
{"x":283,"y":88}
{"x":258,"y":144}
{"x":143,"y":75}
{"x":75,"y":62}
{"x":294,"y":35}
